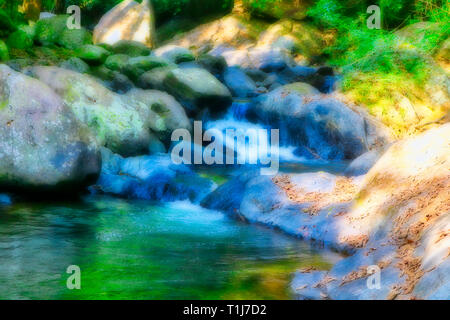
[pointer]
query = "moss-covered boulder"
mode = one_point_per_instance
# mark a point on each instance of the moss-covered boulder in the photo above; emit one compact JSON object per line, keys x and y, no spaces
{"x":117,"y":62}
{"x":51,"y":151}
{"x":4,"y":52}
{"x":278,"y":10}
{"x":113,"y":122}
{"x":93,"y":55}
{"x":49,"y":30}
{"x":131,"y":48}
{"x":154,"y":79}
{"x":19,"y":40}
{"x":75,"y":38}
{"x":75,"y":64}
{"x":198,"y":89}
{"x":139,"y":65}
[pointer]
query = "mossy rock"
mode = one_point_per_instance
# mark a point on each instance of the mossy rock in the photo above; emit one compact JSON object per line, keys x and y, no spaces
{"x":75,"y":64}
{"x":19,"y":40}
{"x":282,"y":9}
{"x":75,"y":38}
{"x":154,"y":79}
{"x":117,"y":62}
{"x":30,"y":30}
{"x":4,"y":52}
{"x":139,"y":65}
{"x":93,"y":55}
{"x":131,"y":48}
{"x":50,"y":30}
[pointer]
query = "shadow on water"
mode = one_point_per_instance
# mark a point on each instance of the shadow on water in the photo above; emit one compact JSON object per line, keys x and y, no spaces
{"x":141,"y":250}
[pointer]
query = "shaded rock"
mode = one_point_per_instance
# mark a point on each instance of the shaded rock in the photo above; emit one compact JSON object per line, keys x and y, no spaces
{"x":228,"y":197}
{"x":19,"y":40}
{"x":93,"y":55}
{"x":4,"y":52}
{"x":19,"y":64}
{"x":282,"y":9}
{"x":117,"y":62}
{"x":174,"y":54}
{"x":128,"y":20}
{"x":363,"y":163}
{"x":131,"y":48}
{"x":154,"y":79}
{"x":75,"y":64}
{"x":326,"y":126}
{"x":161,"y":111}
{"x":240,"y":85}
{"x":115,"y":124}
{"x":198,"y":89}
{"x":75,"y":38}
{"x":215,"y":65}
{"x":113,"y":80}
{"x":137,"y":66}
{"x":42,"y":146}
{"x":151,"y":178}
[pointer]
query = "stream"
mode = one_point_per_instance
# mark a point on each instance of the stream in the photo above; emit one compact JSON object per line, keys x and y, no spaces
{"x":140,"y":250}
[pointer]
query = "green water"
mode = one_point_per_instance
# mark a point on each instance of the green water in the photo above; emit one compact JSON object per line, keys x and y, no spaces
{"x":140,"y":250}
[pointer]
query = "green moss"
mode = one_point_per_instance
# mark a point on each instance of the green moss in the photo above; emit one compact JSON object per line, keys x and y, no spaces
{"x":20,"y":40}
{"x":4,"y":52}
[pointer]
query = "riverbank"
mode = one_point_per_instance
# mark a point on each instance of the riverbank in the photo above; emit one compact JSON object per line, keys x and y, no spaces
{"x":99,"y":114}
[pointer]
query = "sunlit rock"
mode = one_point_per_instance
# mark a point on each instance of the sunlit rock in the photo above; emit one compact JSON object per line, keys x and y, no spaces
{"x":128,"y":20}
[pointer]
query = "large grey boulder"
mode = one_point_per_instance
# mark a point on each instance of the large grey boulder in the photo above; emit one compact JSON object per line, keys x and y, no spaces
{"x":42,"y":146}
{"x":197,"y":89}
{"x":115,"y":124}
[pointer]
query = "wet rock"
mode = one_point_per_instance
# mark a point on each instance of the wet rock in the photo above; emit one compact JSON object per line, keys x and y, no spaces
{"x":153,"y":177}
{"x":51,"y":151}
{"x":324,"y":125}
{"x":128,"y":20}
{"x":240,"y":85}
